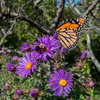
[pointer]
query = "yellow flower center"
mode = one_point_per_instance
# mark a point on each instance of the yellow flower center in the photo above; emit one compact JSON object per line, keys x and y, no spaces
{"x":51,"y":38}
{"x":63,"y":82}
{"x":26,"y":48}
{"x":28,"y":65}
{"x":12,"y":68}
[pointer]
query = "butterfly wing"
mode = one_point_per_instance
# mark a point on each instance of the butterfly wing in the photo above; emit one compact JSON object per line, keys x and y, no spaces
{"x":69,"y":32}
{"x":81,"y":21}
{"x":69,"y":38}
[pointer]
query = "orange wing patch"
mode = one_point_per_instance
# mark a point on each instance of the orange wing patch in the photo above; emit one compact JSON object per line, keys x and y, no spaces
{"x":63,"y":26}
{"x":68,"y":25}
{"x":74,"y":26}
{"x":81,"y":21}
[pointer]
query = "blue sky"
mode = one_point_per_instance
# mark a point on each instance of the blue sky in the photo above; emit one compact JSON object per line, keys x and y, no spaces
{"x":74,"y":1}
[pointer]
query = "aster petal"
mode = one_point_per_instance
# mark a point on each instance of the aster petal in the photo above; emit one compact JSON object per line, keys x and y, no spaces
{"x":66,"y":75}
{"x":55,"y":87}
{"x":61,"y":73}
{"x":55,"y":35}
{"x":36,"y":43}
{"x":56,"y":51}
{"x":28,"y":56}
{"x":70,"y":86}
{"x":67,"y":88}
{"x":65,"y":93}
{"x":24,"y":60}
{"x":20,"y":71}
{"x":33,"y":47}
{"x":49,"y":55}
{"x":33,"y":67}
{"x":45,"y":57}
{"x":59,"y":92}
{"x":21,"y":67}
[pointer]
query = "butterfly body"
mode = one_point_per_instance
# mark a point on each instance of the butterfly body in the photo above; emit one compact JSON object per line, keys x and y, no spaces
{"x":69,"y":32}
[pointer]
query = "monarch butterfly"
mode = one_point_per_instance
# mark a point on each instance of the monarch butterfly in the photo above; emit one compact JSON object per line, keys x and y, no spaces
{"x":69,"y":32}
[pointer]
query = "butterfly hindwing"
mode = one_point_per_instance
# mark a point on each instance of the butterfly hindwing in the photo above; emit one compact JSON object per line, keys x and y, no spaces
{"x":69,"y":32}
{"x":69,"y":38}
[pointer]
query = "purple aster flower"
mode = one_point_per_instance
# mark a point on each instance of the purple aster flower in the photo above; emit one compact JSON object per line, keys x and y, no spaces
{"x":19,"y":92}
{"x":34,"y":94}
{"x":61,"y":82}
{"x":49,"y":47}
{"x":63,"y":50}
{"x":15,"y":58}
{"x":85,"y":54}
{"x":10,"y":67}
{"x":90,"y":84}
{"x":27,"y":64}
{"x":25,"y":46}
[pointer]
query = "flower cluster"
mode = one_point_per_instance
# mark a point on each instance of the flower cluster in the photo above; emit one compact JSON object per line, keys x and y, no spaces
{"x":60,"y":82}
{"x":27,"y":64}
{"x":50,"y":44}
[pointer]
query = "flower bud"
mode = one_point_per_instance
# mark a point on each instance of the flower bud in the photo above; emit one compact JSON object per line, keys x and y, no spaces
{"x":90,"y":84}
{"x":42,"y":93}
{"x":63,"y":50}
{"x":7,"y":86}
{"x":27,"y":90}
{"x":79,"y":64}
{"x":19,"y":92}
{"x":83,"y":55}
{"x":36,"y":89}
{"x":34,"y":94}
{"x":87,"y":97}
{"x":83,"y":84}
{"x":15,"y":97}
{"x":73,"y":75}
